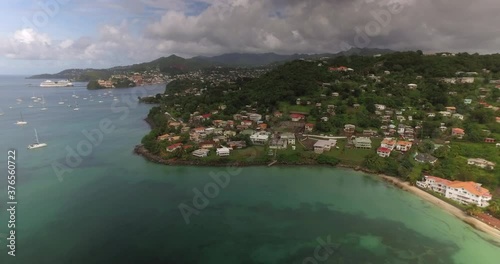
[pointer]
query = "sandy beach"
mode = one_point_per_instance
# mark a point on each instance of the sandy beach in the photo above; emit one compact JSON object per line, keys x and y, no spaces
{"x":495,"y":233}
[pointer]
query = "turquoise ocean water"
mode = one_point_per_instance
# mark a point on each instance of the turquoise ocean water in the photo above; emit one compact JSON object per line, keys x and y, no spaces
{"x":112,"y":206}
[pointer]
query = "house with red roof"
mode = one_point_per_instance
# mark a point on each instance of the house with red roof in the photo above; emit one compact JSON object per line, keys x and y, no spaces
{"x":207,"y":145}
{"x":383,"y":152}
{"x":489,"y":140}
{"x":338,"y":69}
{"x":457,"y":132}
{"x":297,"y":117}
{"x":174,"y":147}
{"x":246,"y":123}
{"x":309,"y":127}
{"x":206,"y":116}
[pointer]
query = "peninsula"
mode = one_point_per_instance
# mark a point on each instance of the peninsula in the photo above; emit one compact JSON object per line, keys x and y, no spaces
{"x":402,"y":114}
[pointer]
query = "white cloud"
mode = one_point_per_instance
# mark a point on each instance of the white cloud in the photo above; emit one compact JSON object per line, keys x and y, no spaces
{"x":282,"y":26}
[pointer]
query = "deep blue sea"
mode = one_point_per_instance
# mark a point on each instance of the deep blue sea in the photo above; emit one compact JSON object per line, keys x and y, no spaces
{"x":86,"y":198}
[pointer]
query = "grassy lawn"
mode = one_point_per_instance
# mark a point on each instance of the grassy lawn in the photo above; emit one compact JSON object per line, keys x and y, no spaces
{"x":246,"y":154}
{"x":286,"y":108}
{"x":349,"y":156}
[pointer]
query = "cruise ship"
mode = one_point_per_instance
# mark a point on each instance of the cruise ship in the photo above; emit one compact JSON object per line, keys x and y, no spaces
{"x":61,"y":83}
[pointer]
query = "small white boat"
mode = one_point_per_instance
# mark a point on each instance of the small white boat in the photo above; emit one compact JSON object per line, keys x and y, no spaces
{"x":30,"y":106}
{"x":21,"y":122}
{"x":37,"y":144}
{"x":43,"y":104}
{"x":100,"y":102}
{"x":76,"y":107}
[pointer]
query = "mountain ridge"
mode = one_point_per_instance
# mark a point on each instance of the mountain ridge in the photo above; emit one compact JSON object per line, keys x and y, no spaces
{"x":174,"y":64}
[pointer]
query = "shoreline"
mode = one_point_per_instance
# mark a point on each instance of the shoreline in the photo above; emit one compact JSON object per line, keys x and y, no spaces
{"x":449,"y":208}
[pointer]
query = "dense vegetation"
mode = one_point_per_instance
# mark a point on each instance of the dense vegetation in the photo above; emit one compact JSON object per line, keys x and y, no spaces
{"x":118,"y":83}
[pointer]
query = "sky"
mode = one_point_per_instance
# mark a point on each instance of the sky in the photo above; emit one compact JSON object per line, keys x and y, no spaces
{"x":47,"y":36}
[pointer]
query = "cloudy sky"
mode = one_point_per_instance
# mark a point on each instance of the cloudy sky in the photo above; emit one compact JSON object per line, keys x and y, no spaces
{"x":39,"y":36}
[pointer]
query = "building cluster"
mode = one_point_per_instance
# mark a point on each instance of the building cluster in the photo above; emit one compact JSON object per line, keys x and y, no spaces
{"x":220,"y":134}
{"x":390,"y":144}
{"x":139,"y":78}
{"x":468,"y":193}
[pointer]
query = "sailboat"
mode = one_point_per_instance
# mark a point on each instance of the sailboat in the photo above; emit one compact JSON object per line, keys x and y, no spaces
{"x":43,"y":103}
{"x":37,"y":144}
{"x":33,"y":97}
{"x":76,"y":107}
{"x":22,"y":122}
{"x":61,"y":101}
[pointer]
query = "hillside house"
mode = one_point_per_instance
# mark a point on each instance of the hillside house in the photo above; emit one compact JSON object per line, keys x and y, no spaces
{"x":260,"y":138}
{"x":324,"y":145}
{"x":362,"y":142}
{"x":482,"y":163}
{"x":174,"y":147}
{"x":383,"y":152}
{"x":458,"y":132}
{"x":388,"y":143}
{"x":458,"y":116}
{"x":278,"y":143}
{"x":297,"y":117}
{"x":425,"y":158}
{"x":289,"y":137}
{"x":348,"y":128}
{"x":309,"y":127}
{"x":404,"y":146}
{"x":223,"y":152}
{"x":201,"y":153}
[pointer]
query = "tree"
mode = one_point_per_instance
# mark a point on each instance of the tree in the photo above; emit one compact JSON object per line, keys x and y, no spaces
{"x":473,"y":210}
{"x":426,"y":146}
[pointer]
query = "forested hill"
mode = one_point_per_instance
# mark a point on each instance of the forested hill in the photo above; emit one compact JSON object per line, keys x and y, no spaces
{"x":313,"y":78}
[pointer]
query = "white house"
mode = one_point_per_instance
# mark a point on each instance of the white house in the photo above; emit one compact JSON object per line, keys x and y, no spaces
{"x":388,"y":143}
{"x":260,"y":138}
{"x":445,"y":113}
{"x":223,"y":152}
{"x":201,"y":153}
{"x":289,"y":137}
{"x":362,"y":142}
{"x":412,"y":86}
{"x":482,"y":163}
{"x":458,"y":116}
{"x":255,"y":117}
{"x":278,"y":143}
{"x":462,"y":192}
{"x":380,"y":107}
{"x":404,"y":146}
{"x":324,"y":145}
